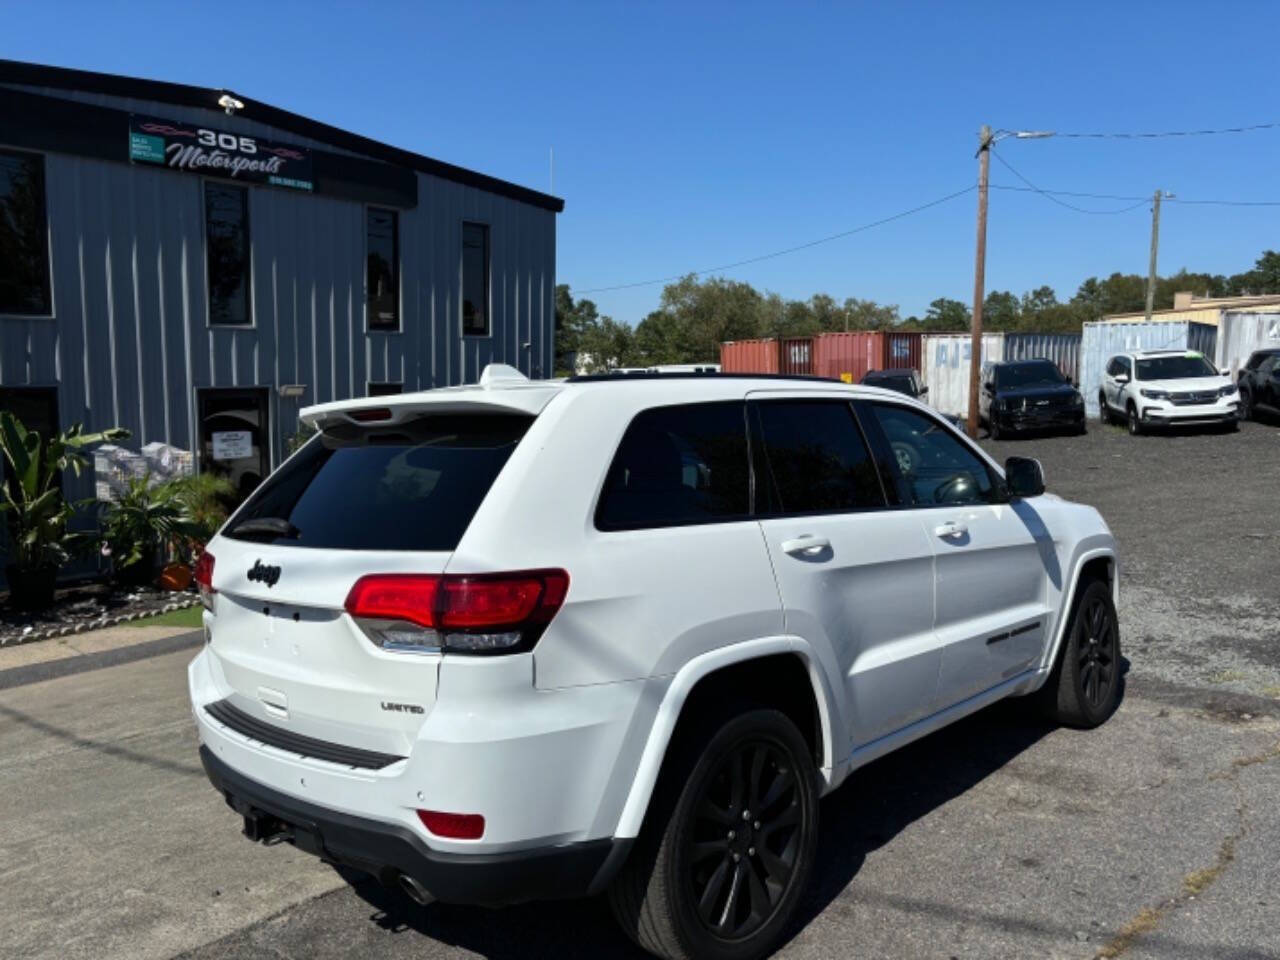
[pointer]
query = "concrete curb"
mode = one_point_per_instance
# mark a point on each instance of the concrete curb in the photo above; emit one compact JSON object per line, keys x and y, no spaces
{"x":51,"y":669}
{"x":64,"y":630}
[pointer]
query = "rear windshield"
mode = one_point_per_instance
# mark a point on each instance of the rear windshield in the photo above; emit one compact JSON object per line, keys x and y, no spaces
{"x":901,"y":384}
{"x":1176,"y":367}
{"x":414,"y":486}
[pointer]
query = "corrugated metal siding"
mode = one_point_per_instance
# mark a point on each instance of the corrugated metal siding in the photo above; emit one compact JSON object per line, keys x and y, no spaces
{"x":902,"y":350}
{"x":946,"y":360}
{"x":795,"y":355}
{"x":1062,"y":348}
{"x":749,"y":356}
{"x":1240,"y":334}
{"x":129,"y":343}
{"x":848,"y":355}
{"x":1100,"y":341}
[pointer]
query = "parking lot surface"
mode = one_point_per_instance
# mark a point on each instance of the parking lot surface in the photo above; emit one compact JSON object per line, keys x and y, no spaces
{"x":1154,"y":836}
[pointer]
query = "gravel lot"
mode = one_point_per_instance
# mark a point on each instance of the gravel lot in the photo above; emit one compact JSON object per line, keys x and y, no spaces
{"x":1195,"y":515}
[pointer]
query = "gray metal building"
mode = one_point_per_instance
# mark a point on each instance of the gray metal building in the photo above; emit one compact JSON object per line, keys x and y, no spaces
{"x":196,"y":266}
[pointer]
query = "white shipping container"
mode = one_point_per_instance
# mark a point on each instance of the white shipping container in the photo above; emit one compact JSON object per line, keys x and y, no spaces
{"x":1240,"y":334}
{"x":945,"y":361}
{"x":1100,"y":341}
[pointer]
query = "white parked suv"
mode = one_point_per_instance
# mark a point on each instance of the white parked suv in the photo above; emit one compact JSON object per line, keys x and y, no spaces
{"x":521,"y":639}
{"x":1148,"y":389}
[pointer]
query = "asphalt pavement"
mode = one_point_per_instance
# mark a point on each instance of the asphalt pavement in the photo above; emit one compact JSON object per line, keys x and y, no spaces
{"x":1154,"y":836}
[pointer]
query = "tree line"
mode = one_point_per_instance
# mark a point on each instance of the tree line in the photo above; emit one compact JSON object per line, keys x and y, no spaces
{"x":695,"y":316}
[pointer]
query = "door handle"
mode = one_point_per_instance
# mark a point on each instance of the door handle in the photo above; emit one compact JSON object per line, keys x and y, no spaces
{"x":951,"y":528}
{"x":805,"y":545}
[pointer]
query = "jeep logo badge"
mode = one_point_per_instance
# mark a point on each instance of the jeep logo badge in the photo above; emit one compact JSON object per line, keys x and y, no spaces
{"x":264,"y":574}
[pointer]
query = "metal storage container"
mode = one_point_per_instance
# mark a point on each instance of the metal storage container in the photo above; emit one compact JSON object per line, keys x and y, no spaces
{"x":901,"y":350}
{"x":847,"y":356}
{"x":946,"y":360}
{"x":749,"y":356}
{"x":1239,"y":334}
{"x":1101,"y":341}
{"x":1062,"y":348}
{"x":795,"y":355}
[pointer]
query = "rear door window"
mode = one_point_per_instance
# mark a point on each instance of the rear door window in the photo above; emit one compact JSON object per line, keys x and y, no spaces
{"x":413,"y":486}
{"x":817,"y":460}
{"x":679,"y":465}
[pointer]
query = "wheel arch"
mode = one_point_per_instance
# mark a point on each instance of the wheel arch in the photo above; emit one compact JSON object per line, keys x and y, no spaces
{"x":779,"y":671}
{"x":1097,"y":562}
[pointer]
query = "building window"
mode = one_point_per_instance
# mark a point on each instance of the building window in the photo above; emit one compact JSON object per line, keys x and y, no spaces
{"x":386,"y":389}
{"x":382,"y":276}
{"x":226,"y":225}
{"x":24,"y":236}
{"x":475,"y":280}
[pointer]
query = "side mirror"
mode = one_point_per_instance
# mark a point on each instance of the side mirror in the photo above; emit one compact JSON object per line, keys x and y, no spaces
{"x":989,"y":387}
{"x":924,"y":391}
{"x":1122,"y":378}
{"x":1024,"y":477}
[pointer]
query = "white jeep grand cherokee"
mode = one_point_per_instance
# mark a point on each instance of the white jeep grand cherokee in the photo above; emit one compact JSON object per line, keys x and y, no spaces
{"x":526,"y":639}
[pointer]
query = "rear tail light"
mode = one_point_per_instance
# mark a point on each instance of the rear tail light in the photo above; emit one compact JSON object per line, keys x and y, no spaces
{"x":371,"y":414}
{"x":458,"y":613}
{"x":204,"y":579}
{"x":454,"y":826}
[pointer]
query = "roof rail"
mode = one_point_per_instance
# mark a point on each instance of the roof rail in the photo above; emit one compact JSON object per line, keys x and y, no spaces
{"x":691,"y":375}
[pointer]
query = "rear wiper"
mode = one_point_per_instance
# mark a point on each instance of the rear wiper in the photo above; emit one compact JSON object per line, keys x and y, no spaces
{"x":276,"y":526}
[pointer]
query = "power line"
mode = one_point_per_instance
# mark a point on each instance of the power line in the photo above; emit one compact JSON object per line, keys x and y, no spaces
{"x":779,"y":253}
{"x":1120,"y":196}
{"x":1048,"y":195}
{"x":1170,"y":133}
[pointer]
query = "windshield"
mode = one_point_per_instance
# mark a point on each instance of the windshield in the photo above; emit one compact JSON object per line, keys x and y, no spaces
{"x":1035,"y":373}
{"x":412,"y":486}
{"x":1176,"y":367}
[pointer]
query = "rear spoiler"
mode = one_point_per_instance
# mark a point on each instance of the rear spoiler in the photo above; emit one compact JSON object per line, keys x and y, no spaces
{"x":502,"y":389}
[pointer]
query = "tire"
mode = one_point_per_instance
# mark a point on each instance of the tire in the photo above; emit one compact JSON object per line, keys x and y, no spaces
{"x":993,"y":427}
{"x":680,"y":855}
{"x":1104,"y":412}
{"x":1135,"y":424}
{"x":1245,"y":411}
{"x":1084,"y":688}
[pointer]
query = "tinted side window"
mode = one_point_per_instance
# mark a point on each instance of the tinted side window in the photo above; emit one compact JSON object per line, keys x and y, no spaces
{"x":475,"y":280}
{"x":933,"y":467}
{"x":816,"y":458}
{"x":679,"y":465}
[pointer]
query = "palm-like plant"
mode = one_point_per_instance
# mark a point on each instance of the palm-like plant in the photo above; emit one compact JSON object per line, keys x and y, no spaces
{"x":146,"y":519}
{"x":38,"y":515}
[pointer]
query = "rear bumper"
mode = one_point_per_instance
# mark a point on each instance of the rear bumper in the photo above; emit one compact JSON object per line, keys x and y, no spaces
{"x":387,"y":851}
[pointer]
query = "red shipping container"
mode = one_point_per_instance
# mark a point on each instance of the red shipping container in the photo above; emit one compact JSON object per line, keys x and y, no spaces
{"x":847,"y":356}
{"x":749,"y":356}
{"x":902,"y":350}
{"x":795,"y":356}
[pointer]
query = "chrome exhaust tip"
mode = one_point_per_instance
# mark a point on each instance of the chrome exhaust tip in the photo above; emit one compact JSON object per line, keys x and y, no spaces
{"x":414,"y":890}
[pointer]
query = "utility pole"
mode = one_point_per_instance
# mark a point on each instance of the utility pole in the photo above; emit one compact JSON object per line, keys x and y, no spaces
{"x":979,"y":276}
{"x":1155,"y":243}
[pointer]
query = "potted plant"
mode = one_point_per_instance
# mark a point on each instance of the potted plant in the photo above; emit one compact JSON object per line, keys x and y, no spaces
{"x":38,"y":515}
{"x":142,"y":525}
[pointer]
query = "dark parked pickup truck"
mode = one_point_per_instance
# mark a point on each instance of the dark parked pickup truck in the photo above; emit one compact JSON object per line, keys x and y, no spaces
{"x":1259,"y":384}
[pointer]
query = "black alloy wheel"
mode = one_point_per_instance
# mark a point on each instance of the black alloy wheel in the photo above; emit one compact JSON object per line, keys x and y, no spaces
{"x":1098,"y":653}
{"x":741,"y":851}
{"x":1135,"y":424}
{"x":1104,"y":412}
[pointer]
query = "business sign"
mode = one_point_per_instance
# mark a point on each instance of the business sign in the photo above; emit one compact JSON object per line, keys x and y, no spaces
{"x":197,"y":149}
{"x":232,"y":444}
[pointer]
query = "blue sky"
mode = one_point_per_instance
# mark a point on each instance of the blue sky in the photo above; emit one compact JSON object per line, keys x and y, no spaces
{"x":691,"y":135}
